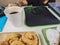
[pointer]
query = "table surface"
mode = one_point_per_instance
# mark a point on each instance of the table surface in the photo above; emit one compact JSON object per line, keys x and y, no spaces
{"x":10,"y":28}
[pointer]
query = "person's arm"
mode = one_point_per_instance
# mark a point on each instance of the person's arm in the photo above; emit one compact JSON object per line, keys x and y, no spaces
{"x":45,"y":1}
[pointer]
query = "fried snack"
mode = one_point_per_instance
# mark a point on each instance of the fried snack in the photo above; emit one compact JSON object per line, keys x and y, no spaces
{"x":1,"y":43}
{"x":30,"y":38}
{"x":27,"y":38}
{"x":17,"y":43}
{"x":4,"y":43}
{"x":11,"y":37}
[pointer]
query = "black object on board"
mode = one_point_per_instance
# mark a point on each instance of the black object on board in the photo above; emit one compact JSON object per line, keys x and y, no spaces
{"x":2,"y":11}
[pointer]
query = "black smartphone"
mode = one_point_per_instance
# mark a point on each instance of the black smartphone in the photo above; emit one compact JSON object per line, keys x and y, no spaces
{"x":2,"y":11}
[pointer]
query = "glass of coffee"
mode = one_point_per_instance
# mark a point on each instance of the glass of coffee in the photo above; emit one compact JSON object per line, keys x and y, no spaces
{"x":15,"y":14}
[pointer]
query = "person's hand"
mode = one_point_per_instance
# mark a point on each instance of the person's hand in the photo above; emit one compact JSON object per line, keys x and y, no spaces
{"x":45,"y":1}
{"x":24,"y":2}
{"x":18,"y":3}
{"x":12,"y":4}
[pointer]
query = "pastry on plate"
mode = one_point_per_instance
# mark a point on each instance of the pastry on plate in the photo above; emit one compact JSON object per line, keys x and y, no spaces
{"x":4,"y":43}
{"x":17,"y":42}
{"x":12,"y":36}
{"x":25,"y":38}
{"x":30,"y":38}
